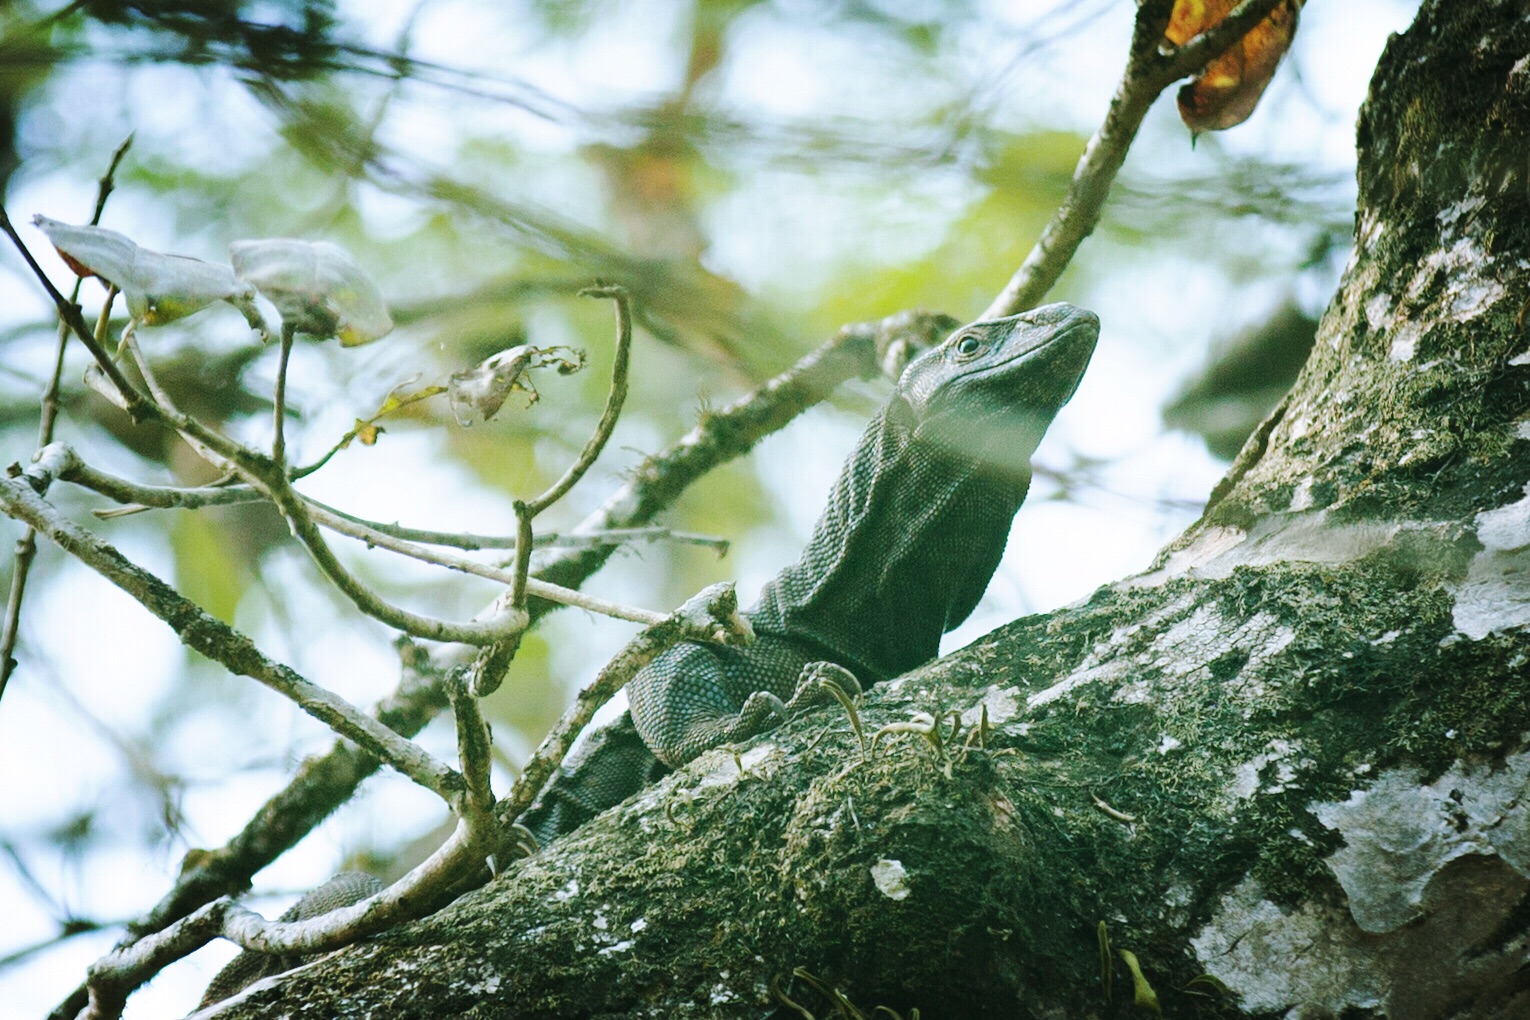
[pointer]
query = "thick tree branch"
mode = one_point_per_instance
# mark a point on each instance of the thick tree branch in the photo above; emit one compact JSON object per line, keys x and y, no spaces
{"x":62,"y":462}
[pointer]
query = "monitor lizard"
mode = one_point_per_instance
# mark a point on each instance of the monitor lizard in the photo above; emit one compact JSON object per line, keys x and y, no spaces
{"x":913,"y":531}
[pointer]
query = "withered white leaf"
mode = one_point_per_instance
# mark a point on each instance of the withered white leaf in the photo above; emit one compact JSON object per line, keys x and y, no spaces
{"x":477,"y":393}
{"x":158,"y":287}
{"x":318,"y":288}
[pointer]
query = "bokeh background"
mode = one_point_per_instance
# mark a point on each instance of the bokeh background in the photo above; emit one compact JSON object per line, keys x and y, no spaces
{"x":758,"y":172}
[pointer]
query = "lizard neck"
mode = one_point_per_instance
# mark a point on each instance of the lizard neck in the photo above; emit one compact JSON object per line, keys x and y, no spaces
{"x":911,"y":535}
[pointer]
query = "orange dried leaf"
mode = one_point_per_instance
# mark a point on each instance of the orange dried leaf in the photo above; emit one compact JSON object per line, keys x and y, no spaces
{"x":1192,"y":17}
{"x":1228,"y":90}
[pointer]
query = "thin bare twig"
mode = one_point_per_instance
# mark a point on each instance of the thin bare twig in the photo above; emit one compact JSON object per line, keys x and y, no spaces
{"x":104,"y":187}
{"x":221,"y":643}
{"x":486,"y":682}
{"x":393,"y":406}
{"x":469,"y":541}
{"x":69,"y":929}
{"x":279,"y":400}
{"x":541,"y":589}
{"x":196,"y":437}
{"x":614,"y":400}
{"x":61,"y":461}
{"x":622,"y":536}
{"x":26,"y":545}
{"x":507,"y":624}
{"x":1149,"y":71}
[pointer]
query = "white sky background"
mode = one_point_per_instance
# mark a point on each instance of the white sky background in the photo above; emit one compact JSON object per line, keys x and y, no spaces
{"x":1157,"y":321}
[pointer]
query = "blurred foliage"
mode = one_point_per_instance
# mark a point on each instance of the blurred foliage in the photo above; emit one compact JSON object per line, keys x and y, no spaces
{"x":285,"y":39}
{"x":1244,"y":378}
{"x":483,"y":196}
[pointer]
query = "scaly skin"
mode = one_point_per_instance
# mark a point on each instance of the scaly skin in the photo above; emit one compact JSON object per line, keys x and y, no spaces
{"x":914,"y":530}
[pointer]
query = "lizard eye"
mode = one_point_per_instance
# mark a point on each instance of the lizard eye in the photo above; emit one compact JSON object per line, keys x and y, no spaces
{"x":968,"y":346}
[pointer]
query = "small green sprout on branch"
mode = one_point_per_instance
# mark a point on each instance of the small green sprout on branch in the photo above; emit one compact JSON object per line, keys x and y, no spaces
{"x":1143,"y":995}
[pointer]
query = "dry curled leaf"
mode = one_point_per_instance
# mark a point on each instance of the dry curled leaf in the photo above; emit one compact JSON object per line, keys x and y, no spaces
{"x":1228,"y":90}
{"x":318,"y":288}
{"x":158,"y":287}
{"x":479,"y":392}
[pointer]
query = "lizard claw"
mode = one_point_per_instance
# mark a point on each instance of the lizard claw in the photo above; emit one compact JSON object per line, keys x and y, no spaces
{"x":813,"y":685}
{"x":763,"y":711}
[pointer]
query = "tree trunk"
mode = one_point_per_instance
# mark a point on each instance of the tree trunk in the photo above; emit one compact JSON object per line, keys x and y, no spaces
{"x":1293,"y":756}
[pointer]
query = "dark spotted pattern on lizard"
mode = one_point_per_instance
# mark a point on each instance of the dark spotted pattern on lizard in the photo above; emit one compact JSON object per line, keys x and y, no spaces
{"x":913,"y":531}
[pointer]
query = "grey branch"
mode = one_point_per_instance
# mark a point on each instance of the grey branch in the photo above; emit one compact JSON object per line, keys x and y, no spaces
{"x":61,"y":461}
{"x":1148,"y":73}
{"x":222,"y":643}
{"x":710,"y":615}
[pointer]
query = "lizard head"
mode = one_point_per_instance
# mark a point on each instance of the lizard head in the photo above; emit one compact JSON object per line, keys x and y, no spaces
{"x":992,"y":388}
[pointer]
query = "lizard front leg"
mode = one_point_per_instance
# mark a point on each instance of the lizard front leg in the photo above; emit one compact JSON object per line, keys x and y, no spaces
{"x":696,"y":697}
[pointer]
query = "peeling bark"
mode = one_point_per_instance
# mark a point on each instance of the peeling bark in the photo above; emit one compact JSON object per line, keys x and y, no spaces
{"x":1294,"y":756}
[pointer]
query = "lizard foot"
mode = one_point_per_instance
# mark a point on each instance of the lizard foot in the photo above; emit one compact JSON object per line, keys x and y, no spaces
{"x":762,"y":711}
{"x":814,"y":683}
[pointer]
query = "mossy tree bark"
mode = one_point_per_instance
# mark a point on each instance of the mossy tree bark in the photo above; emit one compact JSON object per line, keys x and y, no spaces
{"x":1294,"y":756}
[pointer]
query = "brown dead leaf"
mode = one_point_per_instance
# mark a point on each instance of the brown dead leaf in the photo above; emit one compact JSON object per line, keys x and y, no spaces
{"x":1228,"y":90}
